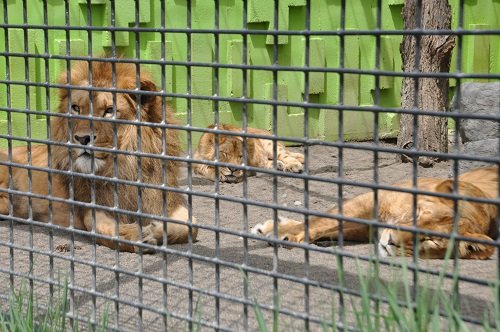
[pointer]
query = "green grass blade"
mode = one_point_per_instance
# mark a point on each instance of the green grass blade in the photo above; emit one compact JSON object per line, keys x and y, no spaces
{"x":260,"y":317}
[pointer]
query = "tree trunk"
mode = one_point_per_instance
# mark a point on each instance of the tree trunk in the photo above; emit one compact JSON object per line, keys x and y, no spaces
{"x":432,"y":94}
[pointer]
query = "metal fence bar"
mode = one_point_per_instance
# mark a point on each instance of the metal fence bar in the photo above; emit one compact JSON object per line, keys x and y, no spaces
{"x":215,"y":88}
{"x":274,"y":131}
{"x":455,"y":167}
{"x":28,"y":134}
{"x":164,"y":166}
{"x":245,"y":158}
{"x":49,"y":153}
{"x":357,"y":32}
{"x":9,"y":147}
{"x":276,"y":67}
{"x":137,"y":53}
{"x":190,"y":147}
{"x":306,"y":161}
{"x":416,"y":83}
{"x":115,"y":158}
{"x":92,"y":114}
{"x":72,"y":282}
{"x":376,"y":141}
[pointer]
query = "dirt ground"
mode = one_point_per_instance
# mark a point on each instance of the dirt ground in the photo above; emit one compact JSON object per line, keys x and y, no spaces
{"x":206,"y":281}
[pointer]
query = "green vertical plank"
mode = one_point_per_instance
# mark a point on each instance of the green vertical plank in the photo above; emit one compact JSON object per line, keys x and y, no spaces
{"x":351,"y":60}
{"x":262,"y":11}
{"x":386,"y":61}
{"x":17,"y":72}
{"x":235,"y":76}
{"x":202,"y":79}
{"x":481,"y":52}
{"x":124,"y":14}
{"x":317,"y":59}
{"x":328,"y":119}
{"x":266,"y":122}
{"x":153,"y":51}
{"x":77,"y":47}
{"x":367,"y":50}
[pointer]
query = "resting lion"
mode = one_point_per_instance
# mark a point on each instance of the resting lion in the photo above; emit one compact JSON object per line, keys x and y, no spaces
{"x":82,"y":160}
{"x":259,"y":154}
{"x":476,"y":220}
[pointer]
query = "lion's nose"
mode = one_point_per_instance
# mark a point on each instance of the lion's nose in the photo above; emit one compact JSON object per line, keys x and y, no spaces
{"x":232,"y":169}
{"x":390,"y":242}
{"x":84,"y":140}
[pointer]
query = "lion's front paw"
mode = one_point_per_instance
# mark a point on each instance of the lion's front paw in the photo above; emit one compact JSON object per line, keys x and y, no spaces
{"x":230,"y":176}
{"x":224,"y":173}
{"x":290,"y":164}
{"x":298,"y":156}
{"x":294,"y":166}
{"x":151,"y":234}
{"x":231,"y":179}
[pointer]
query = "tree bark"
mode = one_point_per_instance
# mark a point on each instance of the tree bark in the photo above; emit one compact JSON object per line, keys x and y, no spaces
{"x":432,"y":95}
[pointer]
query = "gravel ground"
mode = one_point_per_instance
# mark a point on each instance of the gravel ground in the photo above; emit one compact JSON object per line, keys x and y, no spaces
{"x":217,"y":292}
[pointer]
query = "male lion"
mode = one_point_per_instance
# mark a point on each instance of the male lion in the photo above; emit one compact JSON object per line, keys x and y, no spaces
{"x":476,"y":220}
{"x":93,"y":152}
{"x":259,"y":154}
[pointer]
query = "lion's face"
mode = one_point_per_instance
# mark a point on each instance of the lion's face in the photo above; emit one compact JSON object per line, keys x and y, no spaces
{"x":431,"y":214}
{"x":93,"y":133}
{"x":231,"y":152}
{"x":394,"y":243}
{"x":94,"y":126}
{"x":437,"y":214}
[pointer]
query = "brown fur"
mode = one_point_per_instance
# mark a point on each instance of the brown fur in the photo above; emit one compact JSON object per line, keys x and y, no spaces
{"x":476,"y":220}
{"x":259,"y":154}
{"x":79,"y":160}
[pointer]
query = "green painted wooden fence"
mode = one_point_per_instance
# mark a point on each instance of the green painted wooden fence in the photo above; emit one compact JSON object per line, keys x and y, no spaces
{"x":481,"y":55}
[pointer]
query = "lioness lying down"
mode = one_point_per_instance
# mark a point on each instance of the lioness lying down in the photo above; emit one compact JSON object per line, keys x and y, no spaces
{"x":259,"y":154}
{"x":84,"y":160}
{"x":476,"y":220}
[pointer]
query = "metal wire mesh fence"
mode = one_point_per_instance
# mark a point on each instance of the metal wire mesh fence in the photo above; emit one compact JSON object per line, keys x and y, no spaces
{"x":104,"y":189}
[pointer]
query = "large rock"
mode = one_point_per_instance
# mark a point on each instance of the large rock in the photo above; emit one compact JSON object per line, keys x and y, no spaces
{"x":483,"y":148}
{"x":479,"y":99}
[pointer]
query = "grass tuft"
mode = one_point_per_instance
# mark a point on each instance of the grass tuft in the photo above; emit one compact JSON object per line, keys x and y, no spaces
{"x":23,"y":314}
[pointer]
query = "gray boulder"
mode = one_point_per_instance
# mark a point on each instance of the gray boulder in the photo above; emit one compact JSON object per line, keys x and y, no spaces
{"x":479,"y":99}
{"x":483,"y":148}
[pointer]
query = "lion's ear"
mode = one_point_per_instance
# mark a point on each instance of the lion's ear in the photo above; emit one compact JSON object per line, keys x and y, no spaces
{"x":211,"y":137}
{"x":222,"y":139}
{"x":445,"y":186}
{"x":464,"y":188}
{"x":146,"y":99}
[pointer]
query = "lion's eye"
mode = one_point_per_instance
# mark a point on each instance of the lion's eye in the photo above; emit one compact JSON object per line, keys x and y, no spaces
{"x":75,"y":109}
{"x":108,"y":112}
